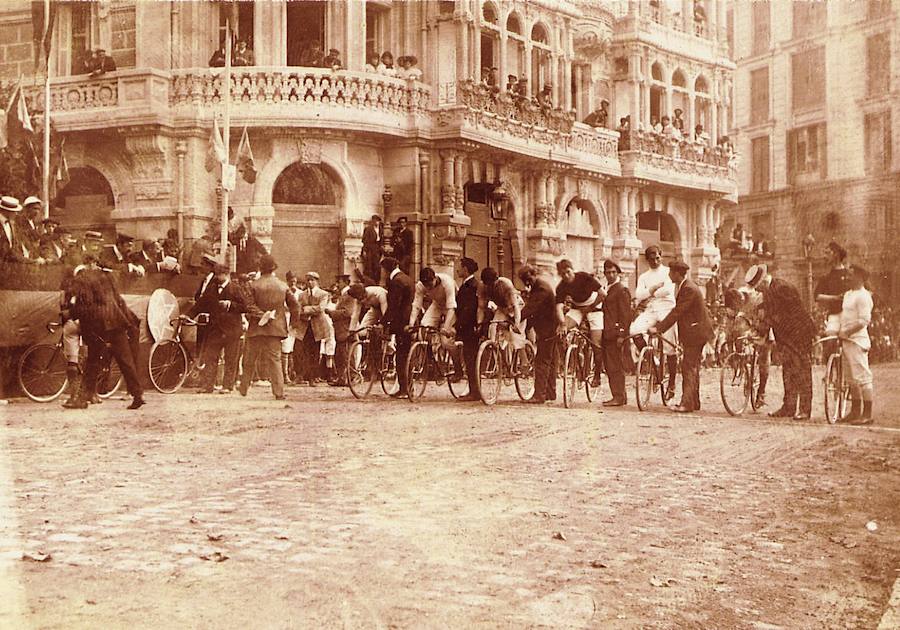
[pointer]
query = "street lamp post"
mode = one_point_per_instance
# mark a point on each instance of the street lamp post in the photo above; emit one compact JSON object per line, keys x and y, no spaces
{"x":387,"y":247}
{"x":498,"y":198}
{"x":808,"y":243}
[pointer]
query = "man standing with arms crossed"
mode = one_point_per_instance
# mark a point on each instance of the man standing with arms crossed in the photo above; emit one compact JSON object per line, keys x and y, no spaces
{"x":655,"y":292}
{"x":467,"y":322}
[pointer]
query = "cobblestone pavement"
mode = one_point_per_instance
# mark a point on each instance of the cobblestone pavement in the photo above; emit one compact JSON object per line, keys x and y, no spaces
{"x":222,"y":512}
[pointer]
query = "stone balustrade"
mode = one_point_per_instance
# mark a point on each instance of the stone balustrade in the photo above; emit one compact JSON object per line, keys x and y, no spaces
{"x":75,"y":93}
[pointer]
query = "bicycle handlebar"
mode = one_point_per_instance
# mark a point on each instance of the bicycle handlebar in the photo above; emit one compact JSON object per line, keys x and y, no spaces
{"x":658,"y":335}
{"x":828,"y":338}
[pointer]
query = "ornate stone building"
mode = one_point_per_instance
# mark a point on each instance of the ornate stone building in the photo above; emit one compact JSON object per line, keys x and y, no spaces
{"x":477,"y":170}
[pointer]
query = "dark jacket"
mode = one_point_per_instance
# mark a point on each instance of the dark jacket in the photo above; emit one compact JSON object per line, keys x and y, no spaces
{"x":270,"y":293}
{"x":227,"y":320}
{"x":111,"y":258}
{"x":143,"y":259}
{"x":467,"y":309}
{"x":695,"y":327}
{"x":11,"y":251}
{"x":401,"y":290}
{"x":784,"y":312}
{"x":616,"y":311}
{"x":98,"y":305}
{"x":540,"y":309}
{"x":402,"y":242}
{"x":341,"y":315}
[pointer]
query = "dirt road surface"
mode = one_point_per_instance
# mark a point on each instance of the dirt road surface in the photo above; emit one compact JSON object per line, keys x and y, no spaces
{"x":221,"y":512}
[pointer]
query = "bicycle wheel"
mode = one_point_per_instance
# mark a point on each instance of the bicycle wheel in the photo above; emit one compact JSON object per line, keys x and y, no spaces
{"x":753,"y":369}
{"x":42,"y":372}
{"x":417,"y":370}
{"x":457,"y":381}
{"x":109,"y":380}
{"x":390,"y":384}
{"x":571,"y":375}
{"x":489,"y":372}
{"x":837,"y":393}
{"x":523,"y":371}
{"x":734,"y":384}
{"x":644,"y":378}
{"x":587,"y":371}
{"x":168,"y":366}
{"x":359,"y":376}
{"x":661,"y":378}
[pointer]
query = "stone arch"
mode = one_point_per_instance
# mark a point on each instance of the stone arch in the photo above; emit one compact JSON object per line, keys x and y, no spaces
{"x":488,"y":10}
{"x":540,"y":32}
{"x":514,"y":23}
{"x":88,"y":201}
{"x":658,"y":71}
{"x":679,"y":79}
{"x":701,"y":84}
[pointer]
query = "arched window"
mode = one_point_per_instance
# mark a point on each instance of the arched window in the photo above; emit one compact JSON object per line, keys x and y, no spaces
{"x":306,"y":184}
{"x":701,"y":85}
{"x":489,"y":14}
{"x":678,"y":79}
{"x":86,"y":201}
{"x":656,"y":71}
{"x":513,"y":25}
{"x":539,"y":34}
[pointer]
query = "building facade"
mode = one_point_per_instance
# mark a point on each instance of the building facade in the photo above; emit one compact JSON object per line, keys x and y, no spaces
{"x":477,"y":170}
{"x":816,"y":90}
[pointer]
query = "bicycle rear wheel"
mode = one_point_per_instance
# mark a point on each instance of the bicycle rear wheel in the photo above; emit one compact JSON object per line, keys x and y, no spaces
{"x":390,"y":384}
{"x":457,"y":380}
{"x":417,"y":370}
{"x":837,"y":393}
{"x":734,"y":384}
{"x":109,"y":380}
{"x":168,"y":366}
{"x":359,"y":375}
{"x":42,"y":372}
{"x":571,"y":375}
{"x":644,"y":378}
{"x":587,"y":371}
{"x":489,"y":377}
{"x":523,"y":371}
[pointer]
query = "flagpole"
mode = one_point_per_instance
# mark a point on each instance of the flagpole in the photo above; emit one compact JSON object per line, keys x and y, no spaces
{"x":226,"y":139}
{"x":46,"y":169}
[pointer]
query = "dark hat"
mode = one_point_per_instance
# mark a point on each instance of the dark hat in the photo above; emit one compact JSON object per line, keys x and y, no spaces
{"x":334,"y":51}
{"x":376,"y":217}
{"x":124,"y":238}
{"x":267,"y":264}
{"x":680,"y":266}
{"x":511,"y":77}
{"x":611,"y":265}
{"x":50,"y":221}
{"x":652,"y":249}
{"x":835,"y":247}
{"x":210,"y":260}
{"x":678,"y":111}
{"x":91,"y":235}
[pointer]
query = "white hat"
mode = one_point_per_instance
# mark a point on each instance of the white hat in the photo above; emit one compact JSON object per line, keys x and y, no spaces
{"x":9,"y":204}
{"x":30,"y":200}
{"x":755,"y":274}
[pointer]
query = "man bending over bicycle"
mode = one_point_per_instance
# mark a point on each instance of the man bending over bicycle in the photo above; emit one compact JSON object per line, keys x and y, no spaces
{"x":655,"y":294}
{"x":441,"y":290}
{"x":498,"y":301}
{"x":585,"y":294}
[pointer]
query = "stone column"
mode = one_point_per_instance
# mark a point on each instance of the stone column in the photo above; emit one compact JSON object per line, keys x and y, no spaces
{"x":501,"y":66}
{"x":527,"y":70}
{"x":687,"y":16}
{"x":712,"y":21}
{"x":669,"y":111}
{"x":622,"y":222}
{"x":692,"y":121}
{"x":448,"y":191}
{"x":704,"y":254}
{"x":463,"y":71}
{"x":554,"y":78}
{"x":625,"y":247}
{"x":578,"y":105}
{"x":714,"y":123}
{"x":459,"y":193}
{"x":540,"y":196}
{"x":424,"y":196}
{"x":476,"y":44}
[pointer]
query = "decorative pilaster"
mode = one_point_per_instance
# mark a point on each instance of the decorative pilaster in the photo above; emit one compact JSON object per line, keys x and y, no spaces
{"x":448,"y":233}
{"x":626,"y":247}
{"x":351,"y":245}
{"x":448,"y":190}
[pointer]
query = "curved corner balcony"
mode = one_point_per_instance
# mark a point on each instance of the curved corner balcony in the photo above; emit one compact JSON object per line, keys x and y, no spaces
{"x":654,"y":157}
{"x":523,"y":127}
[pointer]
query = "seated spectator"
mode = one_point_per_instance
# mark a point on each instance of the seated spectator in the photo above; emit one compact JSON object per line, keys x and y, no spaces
{"x":624,"y":129}
{"x":545,"y":97}
{"x":761,"y":246}
{"x":312,"y":56}
{"x":387,"y":64}
{"x":152,"y":260}
{"x":512,"y":82}
{"x":598,"y":117}
{"x":100,"y":63}
{"x":700,"y":136}
{"x":408,"y":69}
{"x":333,"y":60}
{"x":738,"y":238}
{"x":372,"y":62}
{"x":243,"y":55}
{"x":218,"y":58}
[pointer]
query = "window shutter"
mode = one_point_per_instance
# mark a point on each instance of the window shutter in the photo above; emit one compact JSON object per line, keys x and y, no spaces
{"x":791,"y":156}
{"x":823,"y":151}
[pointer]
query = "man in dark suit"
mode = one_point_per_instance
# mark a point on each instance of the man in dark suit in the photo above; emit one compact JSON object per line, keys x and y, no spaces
{"x":372,"y":245}
{"x":400,"y":293}
{"x":546,"y":317}
{"x":616,"y":321}
{"x":402,"y":242}
{"x":467,"y":322}
{"x":209,"y":264}
{"x":784,"y":313}
{"x":224,"y":302}
{"x":341,"y":315}
{"x":695,"y":329}
{"x":117,"y":257}
{"x":270,"y":299}
{"x":104,"y":319}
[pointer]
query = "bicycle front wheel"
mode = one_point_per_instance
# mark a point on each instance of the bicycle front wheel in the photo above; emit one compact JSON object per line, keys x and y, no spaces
{"x":837,"y":393}
{"x":523,"y":371}
{"x":734,"y":384}
{"x":168,"y":366}
{"x":109,"y":380}
{"x":390,"y":384}
{"x":417,"y":370}
{"x":570,"y":376}
{"x":457,"y":379}
{"x":644,"y":378}
{"x":42,"y":372}
{"x":359,"y":375}
{"x":489,"y":372}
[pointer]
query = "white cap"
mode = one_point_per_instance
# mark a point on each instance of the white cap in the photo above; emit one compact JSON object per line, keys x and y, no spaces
{"x":30,"y":200}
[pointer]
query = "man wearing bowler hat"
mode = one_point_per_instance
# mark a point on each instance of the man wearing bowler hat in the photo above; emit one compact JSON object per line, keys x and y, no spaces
{"x":694,"y":330}
{"x":616,"y":320}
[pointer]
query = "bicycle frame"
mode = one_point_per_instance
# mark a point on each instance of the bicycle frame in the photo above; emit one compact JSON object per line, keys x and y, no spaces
{"x":837,"y":389}
{"x":654,"y":352}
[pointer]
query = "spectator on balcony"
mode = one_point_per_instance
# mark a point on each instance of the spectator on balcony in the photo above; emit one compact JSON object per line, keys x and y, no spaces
{"x":624,"y":129}
{"x":333,"y":60}
{"x":761,"y":247}
{"x":600,"y":116}
{"x":700,"y":136}
{"x":739,"y":238}
{"x":387,"y":64}
{"x":669,"y":130}
{"x":512,"y":83}
{"x":408,"y":68}
{"x":655,"y":125}
{"x":100,"y":63}
{"x":372,"y":62}
{"x":218,"y":58}
{"x":312,"y":56}
{"x":677,"y":121}
{"x":243,"y":55}
{"x":545,"y":97}
{"x":170,"y":246}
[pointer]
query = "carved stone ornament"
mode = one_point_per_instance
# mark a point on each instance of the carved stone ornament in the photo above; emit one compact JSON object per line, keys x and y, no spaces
{"x":354,"y":228}
{"x":151,"y":191}
{"x":148,"y":155}
{"x":310,"y":151}
{"x":582,"y":186}
{"x":546,"y":214}
{"x":449,"y":232}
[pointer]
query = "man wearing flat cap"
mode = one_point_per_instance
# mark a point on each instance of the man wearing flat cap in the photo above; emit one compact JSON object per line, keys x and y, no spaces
{"x":616,"y":321}
{"x":270,"y":301}
{"x":783,"y":312}
{"x":695,"y":329}
{"x":314,"y":330}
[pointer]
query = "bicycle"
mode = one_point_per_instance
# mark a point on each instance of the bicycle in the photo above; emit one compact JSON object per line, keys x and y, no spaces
{"x":428,"y":357}
{"x":837,"y":389}
{"x":739,"y":376}
{"x":171,"y":362}
{"x":497,"y":362}
{"x":578,"y":366}
{"x":650,"y":372}
{"x":361,"y":374}
{"x":42,"y":371}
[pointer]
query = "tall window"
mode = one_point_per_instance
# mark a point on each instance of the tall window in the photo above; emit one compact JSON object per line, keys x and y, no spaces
{"x":305,"y":33}
{"x":878,"y":64}
{"x":760,"y":164}
{"x":809,"y":17}
{"x":806,"y":152}
{"x":808,"y":78}
{"x":759,"y":96}
{"x":761,"y":26}
{"x":240,"y":15}
{"x":879,"y":9}
{"x":376,"y":29}
{"x":878,"y":142}
{"x":81,"y":36}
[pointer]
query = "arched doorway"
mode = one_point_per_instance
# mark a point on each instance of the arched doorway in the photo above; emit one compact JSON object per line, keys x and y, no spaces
{"x":581,"y":236}
{"x":86,"y":202}
{"x":657,"y":228}
{"x":306,"y":234}
{"x":482,"y":240}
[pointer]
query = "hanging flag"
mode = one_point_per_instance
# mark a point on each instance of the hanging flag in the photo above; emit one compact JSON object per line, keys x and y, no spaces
{"x":42,"y":31}
{"x":59,"y":170}
{"x":216,"y":152}
{"x":246,"y":165}
{"x":15,"y":121}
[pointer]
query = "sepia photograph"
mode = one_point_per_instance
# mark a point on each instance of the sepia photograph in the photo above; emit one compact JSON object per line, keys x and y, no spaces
{"x":449,"y":314}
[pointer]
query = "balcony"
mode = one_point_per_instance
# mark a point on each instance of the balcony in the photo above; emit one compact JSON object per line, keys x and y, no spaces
{"x":654,"y":157}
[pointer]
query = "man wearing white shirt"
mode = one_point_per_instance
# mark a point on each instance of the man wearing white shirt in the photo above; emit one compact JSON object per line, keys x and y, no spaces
{"x":856,"y":314}
{"x":442,"y":290}
{"x":372,"y":304}
{"x":655,"y":292}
